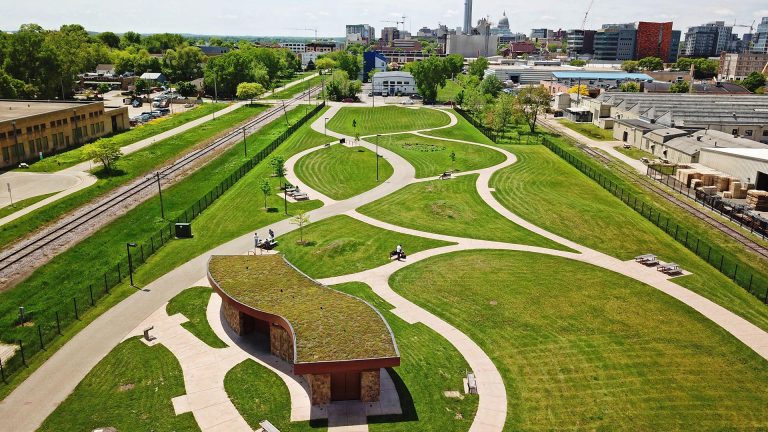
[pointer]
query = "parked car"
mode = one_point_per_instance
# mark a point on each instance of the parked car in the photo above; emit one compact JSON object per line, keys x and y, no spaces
{"x":370,"y":94}
{"x":407,"y":102}
{"x":347,"y":100}
{"x":163,"y":111}
{"x":416,"y":96}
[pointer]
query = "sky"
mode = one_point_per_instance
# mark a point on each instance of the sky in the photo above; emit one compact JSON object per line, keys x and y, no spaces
{"x":291,"y":17}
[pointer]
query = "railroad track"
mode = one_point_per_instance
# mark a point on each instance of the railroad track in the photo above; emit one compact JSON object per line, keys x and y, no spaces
{"x":653,"y":186}
{"x":19,"y":251}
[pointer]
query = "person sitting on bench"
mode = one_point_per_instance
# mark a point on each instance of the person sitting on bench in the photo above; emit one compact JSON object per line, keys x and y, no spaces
{"x":398,"y":253}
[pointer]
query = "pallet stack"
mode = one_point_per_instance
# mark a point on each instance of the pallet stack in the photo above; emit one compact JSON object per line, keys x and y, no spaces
{"x":737,"y":191}
{"x":758,"y":200}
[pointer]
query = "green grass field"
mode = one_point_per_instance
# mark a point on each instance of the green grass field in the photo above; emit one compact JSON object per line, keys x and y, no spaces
{"x":193,"y":303}
{"x":128,"y":168}
{"x":21,"y":205}
{"x":130,"y":389}
{"x":582,"y":348}
{"x":461,"y":131}
{"x":343,"y":245}
{"x":450,"y":207}
{"x":341,"y":172}
{"x":290,"y":92}
{"x":589,"y":130}
{"x":70,"y":272}
{"x":569,"y":204}
{"x":259,"y":394}
{"x":386,"y":119}
{"x":635,"y":153}
{"x":429,"y":366}
{"x":432,"y":157}
{"x":136,"y":134}
{"x":449,"y":92}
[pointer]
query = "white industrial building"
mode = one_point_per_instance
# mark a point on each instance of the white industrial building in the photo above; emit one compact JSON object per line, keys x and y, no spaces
{"x":394,"y":83}
{"x":306,"y":57}
{"x":748,"y":164}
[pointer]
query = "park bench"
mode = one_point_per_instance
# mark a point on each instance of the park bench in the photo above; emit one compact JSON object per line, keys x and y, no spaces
{"x":147,"y":336}
{"x":446,"y":175}
{"x":266,"y":426}
{"x":301,"y":197}
{"x":268,"y":245}
{"x":471,"y":383}
{"x":397,"y":255}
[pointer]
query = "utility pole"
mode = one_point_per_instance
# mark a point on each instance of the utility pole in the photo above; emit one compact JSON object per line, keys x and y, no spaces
{"x":160,"y":192}
{"x":378,"y":137}
{"x":245,"y":144}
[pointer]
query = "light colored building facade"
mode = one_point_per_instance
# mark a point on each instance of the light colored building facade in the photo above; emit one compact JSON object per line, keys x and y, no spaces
{"x":296,"y":47}
{"x":31,"y":128}
{"x":366,"y":33}
{"x":394,"y":83}
{"x":748,"y":164}
{"x":472,"y":46}
{"x":739,"y":66}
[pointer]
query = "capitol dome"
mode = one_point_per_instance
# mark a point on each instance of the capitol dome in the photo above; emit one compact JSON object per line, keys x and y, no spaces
{"x":504,"y":21}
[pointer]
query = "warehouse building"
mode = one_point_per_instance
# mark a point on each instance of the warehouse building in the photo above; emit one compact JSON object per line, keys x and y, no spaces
{"x":748,"y":164}
{"x":394,"y":83}
{"x":30,"y":130}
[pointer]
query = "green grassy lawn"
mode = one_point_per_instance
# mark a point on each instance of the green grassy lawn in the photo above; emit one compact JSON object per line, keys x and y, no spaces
{"x":296,"y":76}
{"x":431,"y":157}
{"x":193,"y":303}
{"x":20,"y":205}
{"x":128,"y":168}
{"x":461,"y":131}
{"x":259,"y":394}
{"x":582,"y":348}
{"x":342,"y":245}
{"x":450,"y":207}
{"x":571,"y":205}
{"x":589,"y":130}
{"x":70,"y":272}
{"x":136,"y":134}
{"x":449,"y":92}
{"x":429,"y":366}
{"x":237,"y":212}
{"x":386,"y":119}
{"x":130,"y":389}
{"x":341,"y":172}
{"x":635,"y":153}
{"x":290,"y":92}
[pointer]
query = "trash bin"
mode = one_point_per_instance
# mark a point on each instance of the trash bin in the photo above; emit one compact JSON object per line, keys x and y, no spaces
{"x":183,"y":230}
{"x":342,"y":140}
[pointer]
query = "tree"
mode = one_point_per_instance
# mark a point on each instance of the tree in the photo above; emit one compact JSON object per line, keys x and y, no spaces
{"x":183,"y":64}
{"x":106,"y":152}
{"x":250,"y":91}
{"x":754,"y":81}
{"x":325,"y":63}
{"x":530,"y":102}
{"x":109,"y":39}
{"x":103,"y":88}
{"x":630,"y":87}
{"x":130,"y":38}
{"x":680,"y":87}
{"x":477,"y":68}
{"x":630,"y":66}
{"x":186,"y":88}
{"x":266,"y":189}
{"x":454,"y":63}
{"x":474,"y":101}
{"x":340,"y":87}
{"x":140,"y":86}
{"x":429,"y":74}
{"x":491,"y":85}
{"x":504,"y":112}
{"x":301,"y":219}
{"x":10,"y":87}
{"x":452,"y":157}
{"x":349,"y":63}
{"x":581,"y":89}
{"x":578,"y":62}
{"x":651,"y":63}
{"x":278,"y":165}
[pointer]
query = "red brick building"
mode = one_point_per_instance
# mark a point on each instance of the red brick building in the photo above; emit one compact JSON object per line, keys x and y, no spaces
{"x":654,"y":40}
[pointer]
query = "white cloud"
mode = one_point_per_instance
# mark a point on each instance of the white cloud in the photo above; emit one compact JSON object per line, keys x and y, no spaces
{"x":724,"y":12}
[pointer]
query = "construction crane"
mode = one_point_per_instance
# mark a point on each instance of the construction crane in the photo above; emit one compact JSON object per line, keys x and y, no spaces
{"x":397,"y":22}
{"x":307,"y":29}
{"x":751,"y":28}
{"x":586,"y":14}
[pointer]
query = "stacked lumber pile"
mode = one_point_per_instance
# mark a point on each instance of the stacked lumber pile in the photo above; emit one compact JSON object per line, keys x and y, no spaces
{"x":737,"y":190}
{"x":699,"y":177}
{"x":758,"y":199}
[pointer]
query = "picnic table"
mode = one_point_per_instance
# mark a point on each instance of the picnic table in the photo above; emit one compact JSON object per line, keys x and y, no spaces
{"x":670,"y":269}
{"x":647,"y":259}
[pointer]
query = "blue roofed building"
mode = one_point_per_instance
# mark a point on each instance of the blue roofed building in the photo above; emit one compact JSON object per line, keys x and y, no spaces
{"x":373,"y":60}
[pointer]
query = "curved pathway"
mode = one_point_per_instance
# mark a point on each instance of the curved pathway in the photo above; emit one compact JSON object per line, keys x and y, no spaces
{"x":34,"y":399}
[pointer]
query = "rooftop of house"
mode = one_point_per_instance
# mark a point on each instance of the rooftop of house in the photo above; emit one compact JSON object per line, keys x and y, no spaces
{"x":328,"y":325}
{"x":15,"y":109}
{"x":722,"y":88}
{"x":595,"y":75}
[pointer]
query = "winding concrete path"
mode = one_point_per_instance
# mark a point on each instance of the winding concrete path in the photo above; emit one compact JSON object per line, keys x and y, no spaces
{"x":33,"y":400}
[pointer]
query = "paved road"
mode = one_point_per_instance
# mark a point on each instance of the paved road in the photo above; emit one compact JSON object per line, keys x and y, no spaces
{"x":33,"y":400}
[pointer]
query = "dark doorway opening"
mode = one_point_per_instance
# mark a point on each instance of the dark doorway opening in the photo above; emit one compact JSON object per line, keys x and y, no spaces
{"x":761,"y":182}
{"x":625,"y":137}
{"x":345,"y":386}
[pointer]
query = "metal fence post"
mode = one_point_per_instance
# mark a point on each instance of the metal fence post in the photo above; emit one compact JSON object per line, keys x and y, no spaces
{"x":77,"y":314}
{"x":2,"y":371}
{"x":40,"y":334}
{"x":21,"y":350}
{"x":58,"y":323}
{"x":750,"y":283}
{"x":90,"y":291}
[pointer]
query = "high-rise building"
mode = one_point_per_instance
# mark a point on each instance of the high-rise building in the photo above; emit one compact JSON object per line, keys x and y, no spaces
{"x":707,"y":40}
{"x":388,"y":34}
{"x":468,"y":16}
{"x":581,"y":41}
{"x":760,"y":38}
{"x":541,"y":33}
{"x":366,"y":32}
{"x":674,"y":46}
{"x":655,"y":40}
{"x":615,"y":42}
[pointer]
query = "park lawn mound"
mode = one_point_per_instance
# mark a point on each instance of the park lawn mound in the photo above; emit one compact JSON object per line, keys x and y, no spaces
{"x":430,"y":366}
{"x":387,"y":119}
{"x":259,"y":394}
{"x":327,"y":325}
{"x":589,"y":130}
{"x":295,"y":89}
{"x":462,"y":130}
{"x":571,"y":205}
{"x":193,"y":304}
{"x":341,"y":172}
{"x":432,"y":156}
{"x":451,"y":207}
{"x":582,"y":347}
{"x":342,"y":245}
{"x":130,"y":389}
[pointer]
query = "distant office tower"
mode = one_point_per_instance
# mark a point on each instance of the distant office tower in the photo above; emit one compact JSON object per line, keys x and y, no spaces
{"x":760,"y":38}
{"x":615,"y":42}
{"x":468,"y":16}
{"x":581,"y":41}
{"x":655,"y":40}
{"x":707,"y":40}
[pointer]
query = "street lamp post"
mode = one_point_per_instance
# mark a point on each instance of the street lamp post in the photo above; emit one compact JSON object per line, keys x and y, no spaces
{"x":285,"y":199}
{"x":160,"y":192}
{"x":378,"y":137}
{"x":128,"y":247}
{"x":245,"y":144}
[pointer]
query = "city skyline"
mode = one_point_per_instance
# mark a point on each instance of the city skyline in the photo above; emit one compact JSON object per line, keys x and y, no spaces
{"x":290,"y":19}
